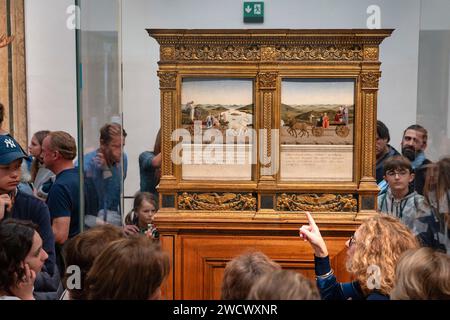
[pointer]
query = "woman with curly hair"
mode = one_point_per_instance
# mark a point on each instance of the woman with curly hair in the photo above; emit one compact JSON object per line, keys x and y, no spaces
{"x":21,"y":258}
{"x":373,"y":253}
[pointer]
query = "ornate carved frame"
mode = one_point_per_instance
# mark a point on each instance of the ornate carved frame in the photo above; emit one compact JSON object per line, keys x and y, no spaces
{"x":267,"y":56}
{"x":12,"y":69}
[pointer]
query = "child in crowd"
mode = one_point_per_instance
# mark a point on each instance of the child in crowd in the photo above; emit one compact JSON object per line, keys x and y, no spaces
{"x":41,"y":177}
{"x":405,"y":204}
{"x":140,"y":218}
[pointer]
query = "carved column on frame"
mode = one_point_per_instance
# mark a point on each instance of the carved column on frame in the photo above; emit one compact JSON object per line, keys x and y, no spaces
{"x":12,"y":69}
{"x":368,"y":187}
{"x":168,"y":84}
{"x":267,"y":83}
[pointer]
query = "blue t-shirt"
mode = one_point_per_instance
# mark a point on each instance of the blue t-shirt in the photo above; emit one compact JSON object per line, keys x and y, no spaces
{"x":30,"y":208}
{"x":147,"y":172}
{"x":103,"y":186}
{"x":64,"y":199}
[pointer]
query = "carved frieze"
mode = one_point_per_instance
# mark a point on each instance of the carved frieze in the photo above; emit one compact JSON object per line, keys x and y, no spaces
{"x":267,"y":80}
{"x":167,"y":80}
{"x":316,"y":202}
{"x":217,"y":53}
{"x":320,"y":53}
{"x":226,"y":53}
{"x":369,"y":80}
{"x":167,"y":53}
{"x":269,"y":54}
{"x":371,"y":53}
{"x":217,"y":201}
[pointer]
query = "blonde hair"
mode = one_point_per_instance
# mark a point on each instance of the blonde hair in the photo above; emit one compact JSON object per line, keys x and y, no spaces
{"x":284,"y":285}
{"x":242,"y":272}
{"x":422,"y":274}
{"x":381,"y":241}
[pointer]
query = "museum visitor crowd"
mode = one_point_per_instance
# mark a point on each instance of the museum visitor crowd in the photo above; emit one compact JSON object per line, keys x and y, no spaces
{"x":44,"y":256}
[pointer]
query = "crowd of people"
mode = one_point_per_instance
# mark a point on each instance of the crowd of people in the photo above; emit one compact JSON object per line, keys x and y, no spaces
{"x":45,"y":256}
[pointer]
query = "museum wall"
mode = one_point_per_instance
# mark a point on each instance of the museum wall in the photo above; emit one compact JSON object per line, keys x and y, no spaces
{"x":50,"y":65}
{"x":51,"y":56}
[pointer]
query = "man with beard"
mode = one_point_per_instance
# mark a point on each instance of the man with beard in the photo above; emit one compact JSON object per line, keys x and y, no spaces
{"x":414,"y":143}
{"x":103,"y":178}
{"x":383,"y":149}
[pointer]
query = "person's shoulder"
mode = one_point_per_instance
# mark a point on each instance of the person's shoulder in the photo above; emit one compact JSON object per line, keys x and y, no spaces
{"x":377,"y":296}
{"x":67,"y":177}
{"x":146,"y":154}
{"x":88,"y":157}
{"x":30,"y":204}
{"x":393,"y":151}
{"x":28,"y":198}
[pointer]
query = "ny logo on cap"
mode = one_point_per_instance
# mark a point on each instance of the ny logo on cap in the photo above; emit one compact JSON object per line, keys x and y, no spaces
{"x":10,"y":143}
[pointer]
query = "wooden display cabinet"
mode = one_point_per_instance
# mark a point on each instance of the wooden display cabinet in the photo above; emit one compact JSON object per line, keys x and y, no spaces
{"x":293,"y":116}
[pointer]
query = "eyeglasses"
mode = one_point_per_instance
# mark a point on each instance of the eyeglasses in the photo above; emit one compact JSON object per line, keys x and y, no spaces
{"x":401,"y":173}
{"x":351,"y":241}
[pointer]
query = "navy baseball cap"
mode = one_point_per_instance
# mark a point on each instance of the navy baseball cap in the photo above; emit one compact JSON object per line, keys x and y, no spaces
{"x":10,"y":150}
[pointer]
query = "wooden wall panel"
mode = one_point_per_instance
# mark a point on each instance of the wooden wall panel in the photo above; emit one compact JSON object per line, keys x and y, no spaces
{"x":13,"y":70}
{"x":203,"y":258}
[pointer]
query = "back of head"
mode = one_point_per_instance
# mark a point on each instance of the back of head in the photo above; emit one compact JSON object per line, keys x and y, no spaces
{"x":383,"y":131}
{"x":422,"y":274}
{"x":381,"y":241}
{"x":64,"y":143}
{"x":16,"y":241}
{"x":284,"y":285}
{"x":128,"y":269}
{"x":242,"y":272}
{"x":82,"y":250}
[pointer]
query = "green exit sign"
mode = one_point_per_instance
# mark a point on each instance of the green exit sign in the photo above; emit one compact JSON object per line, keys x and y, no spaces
{"x":254,"y":12}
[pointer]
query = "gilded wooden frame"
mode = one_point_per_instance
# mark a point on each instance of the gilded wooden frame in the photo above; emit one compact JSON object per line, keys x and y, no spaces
{"x":13,"y":69}
{"x":268,"y":56}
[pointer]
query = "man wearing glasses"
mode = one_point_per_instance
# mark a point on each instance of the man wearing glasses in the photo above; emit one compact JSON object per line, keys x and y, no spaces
{"x":400,"y":201}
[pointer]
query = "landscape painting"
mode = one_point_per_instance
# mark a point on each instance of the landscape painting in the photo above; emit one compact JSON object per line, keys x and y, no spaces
{"x":317,"y":111}
{"x":218,"y":103}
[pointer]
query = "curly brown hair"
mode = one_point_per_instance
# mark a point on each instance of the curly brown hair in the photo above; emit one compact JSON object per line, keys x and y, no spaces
{"x":16,"y":240}
{"x":381,"y":241}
